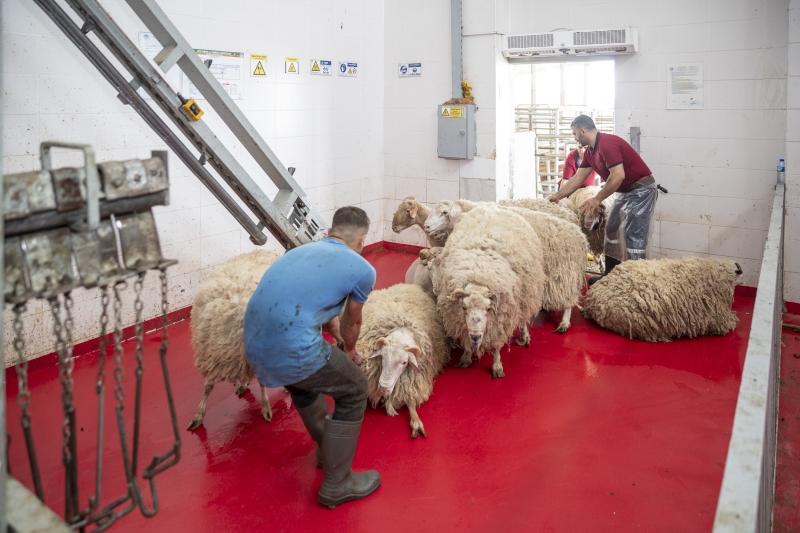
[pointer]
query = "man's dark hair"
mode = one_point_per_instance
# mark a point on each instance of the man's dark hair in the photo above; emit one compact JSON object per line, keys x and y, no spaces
{"x":350,"y":222}
{"x":583,"y":122}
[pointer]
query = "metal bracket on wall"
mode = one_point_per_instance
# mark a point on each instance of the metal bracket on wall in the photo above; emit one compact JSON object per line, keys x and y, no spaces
{"x":291,"y":217}
{"x":636,"y":139}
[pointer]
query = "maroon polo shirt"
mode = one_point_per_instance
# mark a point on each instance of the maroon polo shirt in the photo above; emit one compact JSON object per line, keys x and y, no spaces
{"x":571,"y":168}
{"x":610,"y":151}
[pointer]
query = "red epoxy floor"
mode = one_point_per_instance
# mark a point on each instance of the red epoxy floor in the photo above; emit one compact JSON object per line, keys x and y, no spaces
{"x":787,"y":474}
{"x":588,"y":432}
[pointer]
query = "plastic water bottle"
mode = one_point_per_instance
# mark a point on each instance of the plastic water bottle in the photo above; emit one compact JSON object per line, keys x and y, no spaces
{"x":781,"y":171}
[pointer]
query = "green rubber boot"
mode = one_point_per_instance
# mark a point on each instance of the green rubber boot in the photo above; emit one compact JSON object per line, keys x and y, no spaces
{"x":313,"y":418}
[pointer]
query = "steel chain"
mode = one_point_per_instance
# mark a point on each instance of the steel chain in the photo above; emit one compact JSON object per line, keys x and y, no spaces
{"x":119,"y":372}
{"x":138,"y":327}
{"x":101,"y":358}
{"x":66,"y":394}
{"x":24,"y":398}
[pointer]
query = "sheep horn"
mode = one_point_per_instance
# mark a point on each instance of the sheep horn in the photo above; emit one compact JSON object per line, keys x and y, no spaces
{"x":381,"y":342}
{"x":414,"y":349}
{"x":457,"y":294}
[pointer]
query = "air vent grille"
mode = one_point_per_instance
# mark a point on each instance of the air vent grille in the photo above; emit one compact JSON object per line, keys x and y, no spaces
{"x":531,"y":41}
{"x":582,"y":38}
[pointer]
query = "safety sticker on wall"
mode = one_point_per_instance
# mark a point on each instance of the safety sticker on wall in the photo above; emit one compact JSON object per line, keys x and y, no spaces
{"x":292,"y":65}
{"x":409,"y":70}
{"x":348,"y":69}
{"x":258,"y":65}
{"x":453,"y":112}
{"x":320,"y":67}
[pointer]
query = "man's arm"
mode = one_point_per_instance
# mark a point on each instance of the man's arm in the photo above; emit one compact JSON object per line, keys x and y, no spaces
{"x":572,"y":184}
{"x":350,"y":328}
{"x":333,"y":328}
{"x":615,"y":179}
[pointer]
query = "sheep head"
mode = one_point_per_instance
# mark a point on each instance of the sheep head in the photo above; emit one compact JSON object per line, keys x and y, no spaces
{"x":442,"y":219}
{"x":397,"y":351}
{"x":406,"y":214}
{"x":595,"y":219}
{"x":479,"y":305}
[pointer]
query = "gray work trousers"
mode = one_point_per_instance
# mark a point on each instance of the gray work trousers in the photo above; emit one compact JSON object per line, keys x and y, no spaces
{"x":340,"y":379}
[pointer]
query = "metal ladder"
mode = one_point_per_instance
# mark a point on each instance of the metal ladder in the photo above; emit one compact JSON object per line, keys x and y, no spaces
{"x":291,"y":217}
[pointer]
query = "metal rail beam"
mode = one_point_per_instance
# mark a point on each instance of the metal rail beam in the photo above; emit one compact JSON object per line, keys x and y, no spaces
{"x":748,"y":485}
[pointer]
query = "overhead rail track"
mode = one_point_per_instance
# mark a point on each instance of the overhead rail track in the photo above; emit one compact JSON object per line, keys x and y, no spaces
{"x":291,"y":217}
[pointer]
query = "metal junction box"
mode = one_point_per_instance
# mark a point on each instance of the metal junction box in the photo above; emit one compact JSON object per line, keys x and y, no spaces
{"x":457,"y":136}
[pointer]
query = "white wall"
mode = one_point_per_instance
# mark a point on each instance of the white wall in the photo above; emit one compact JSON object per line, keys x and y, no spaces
{"x":331,"y":128}
{"x":718,"y":163}
{"x":792,"y":247}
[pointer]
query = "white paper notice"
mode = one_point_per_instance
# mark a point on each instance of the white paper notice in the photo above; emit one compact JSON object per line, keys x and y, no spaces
{"x":685,"y":86}
{"x":227,"y":67}
{"x":150,"y":46}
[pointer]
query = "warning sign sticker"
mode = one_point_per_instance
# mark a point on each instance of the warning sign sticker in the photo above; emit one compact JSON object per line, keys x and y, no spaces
{"x":453,"y":112}
{"x":292,"y":65}
{"x":258,"y":65}
{"x":320,"y":67}
{"x":349,"y":70}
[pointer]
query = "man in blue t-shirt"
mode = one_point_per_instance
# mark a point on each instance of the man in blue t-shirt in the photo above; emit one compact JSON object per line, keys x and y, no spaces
{"x":300,"y":295}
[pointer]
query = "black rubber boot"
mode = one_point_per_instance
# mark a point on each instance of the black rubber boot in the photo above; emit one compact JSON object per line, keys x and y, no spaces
{"x":610,"y":264}
{"x":313,"y":418}
{"x":341,"y":484}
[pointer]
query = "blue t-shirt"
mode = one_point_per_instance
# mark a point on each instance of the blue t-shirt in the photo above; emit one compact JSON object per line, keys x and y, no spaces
{"x":299,"y":293}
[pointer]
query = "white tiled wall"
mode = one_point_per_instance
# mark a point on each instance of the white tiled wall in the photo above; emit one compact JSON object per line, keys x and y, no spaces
{"x":717,"y":163}
{"x":330,"y":128}
{"x":792,"y":245}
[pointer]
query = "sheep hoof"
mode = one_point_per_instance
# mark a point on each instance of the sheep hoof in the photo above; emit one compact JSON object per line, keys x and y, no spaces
{"x":498,"y":373}
{"x":267,"y":414}
{"x":464,"y":364}
{"x":562,"y":328}
{"x":195,"y":423}
{"x":241,"y":390}
{"x":418,"y":431}
{"x":520,"y":342}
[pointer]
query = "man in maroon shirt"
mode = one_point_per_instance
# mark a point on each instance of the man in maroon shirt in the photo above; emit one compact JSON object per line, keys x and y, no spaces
{"x":630,"y":221}
{"x":571,"y":164}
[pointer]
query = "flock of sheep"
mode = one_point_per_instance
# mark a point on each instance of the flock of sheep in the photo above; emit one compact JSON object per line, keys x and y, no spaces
{"x":491,"y":267}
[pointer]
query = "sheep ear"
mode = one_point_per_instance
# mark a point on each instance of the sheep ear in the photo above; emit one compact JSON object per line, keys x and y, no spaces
{"x":414,"y":349}
{"x":412,"y":359}
{"x":380,"y":343}
{"x":457,"y":294}
{"x":493,"y":299}
{"x":413,"y":211}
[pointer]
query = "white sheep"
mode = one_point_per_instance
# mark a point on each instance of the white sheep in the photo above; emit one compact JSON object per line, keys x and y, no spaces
{"x":564,"y":251}
{"x":409,"y":213}
{"x":563,"y":247}
{"x":662,"y":299}
{"x":419,"y":274}
{"x":545,"y":206}
{"x":403,"y":348}
{"x":593,"y":224}
{"x":218,"y":326}
{"x":490,"y":281}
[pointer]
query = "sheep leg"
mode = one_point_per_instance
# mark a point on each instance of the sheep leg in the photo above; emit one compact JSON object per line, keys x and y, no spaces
{"x":564,"y":325}
{"x":524,"y":337}
{"x":201,"y":409}
{"x":417,"y":428}
{"x":497,"y":365}
{"x":390,"y":410}
{"x":466,"y":359}
{"x":266,"y":408}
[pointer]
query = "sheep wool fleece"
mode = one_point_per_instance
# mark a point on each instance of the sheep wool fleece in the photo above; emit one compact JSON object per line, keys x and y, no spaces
{"x":662,"y":299}
{"x":403,"y":306}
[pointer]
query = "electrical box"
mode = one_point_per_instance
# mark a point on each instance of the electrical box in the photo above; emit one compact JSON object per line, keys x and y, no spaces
{"x":457,"y":136}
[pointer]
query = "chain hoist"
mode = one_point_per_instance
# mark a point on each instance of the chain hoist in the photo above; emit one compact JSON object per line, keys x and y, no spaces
{"x":89,"y":227}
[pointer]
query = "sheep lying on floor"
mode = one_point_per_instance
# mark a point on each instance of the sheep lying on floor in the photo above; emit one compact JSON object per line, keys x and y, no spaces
{"x":490,"y":281}
{"x":403,"y":348}
{"x":218,"y":326}
{"x":658,"y":300}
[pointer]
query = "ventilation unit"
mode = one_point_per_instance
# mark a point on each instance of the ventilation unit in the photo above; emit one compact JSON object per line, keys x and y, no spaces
{"x":572,"y":43}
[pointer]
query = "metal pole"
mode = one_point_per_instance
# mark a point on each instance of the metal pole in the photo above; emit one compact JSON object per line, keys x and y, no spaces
{"x":3,"y":451}
{"x":455,"y":45}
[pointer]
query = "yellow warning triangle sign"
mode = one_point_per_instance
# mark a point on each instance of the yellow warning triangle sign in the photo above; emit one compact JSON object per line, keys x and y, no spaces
{"x":291,"y":68}
{"x":445,"y":113}
{"x":259,"y":70}
{"x":315,"y":68}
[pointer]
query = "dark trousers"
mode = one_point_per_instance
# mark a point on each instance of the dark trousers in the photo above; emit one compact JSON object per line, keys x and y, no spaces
{"x":340,"y":379}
